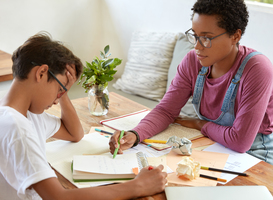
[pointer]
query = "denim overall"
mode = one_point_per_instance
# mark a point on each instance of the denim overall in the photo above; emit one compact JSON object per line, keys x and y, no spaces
{"x":262,"y":146}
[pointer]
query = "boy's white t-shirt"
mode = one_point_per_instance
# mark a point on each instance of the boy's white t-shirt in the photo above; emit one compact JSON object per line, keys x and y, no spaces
{"x":23,"y":152}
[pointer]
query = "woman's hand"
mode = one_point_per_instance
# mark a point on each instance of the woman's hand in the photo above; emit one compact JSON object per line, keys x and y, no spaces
{"x":191,"y":122}
{"x":126,"y":142}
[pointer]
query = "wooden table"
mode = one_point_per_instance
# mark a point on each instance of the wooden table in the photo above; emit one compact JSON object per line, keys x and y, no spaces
{"x":5,"y":66}
{"x":260,"y":174}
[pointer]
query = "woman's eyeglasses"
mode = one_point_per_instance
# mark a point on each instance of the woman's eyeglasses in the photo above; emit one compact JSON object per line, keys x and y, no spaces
{"x":203,"y":40}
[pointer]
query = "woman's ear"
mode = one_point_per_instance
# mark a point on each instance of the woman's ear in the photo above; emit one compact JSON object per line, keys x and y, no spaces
{"x":41,"y":73}
{"x":237,"y":36}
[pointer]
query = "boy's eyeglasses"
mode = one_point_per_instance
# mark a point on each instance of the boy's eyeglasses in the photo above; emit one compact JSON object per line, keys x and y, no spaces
{"x":204,"y":41}
{"x":64,"y":88}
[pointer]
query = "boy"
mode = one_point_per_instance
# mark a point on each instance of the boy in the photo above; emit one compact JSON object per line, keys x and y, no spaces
{"x":44,"y":70}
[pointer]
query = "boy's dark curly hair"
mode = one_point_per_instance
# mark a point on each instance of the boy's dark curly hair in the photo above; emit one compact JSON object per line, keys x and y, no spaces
{"x":233,"y":14}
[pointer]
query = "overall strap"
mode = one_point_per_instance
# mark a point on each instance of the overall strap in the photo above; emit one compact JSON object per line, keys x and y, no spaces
{"x":198,"y":88}
{"x":235,"y":81}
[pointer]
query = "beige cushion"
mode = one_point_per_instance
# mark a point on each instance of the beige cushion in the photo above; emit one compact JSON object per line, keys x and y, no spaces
{"x":149,"y":58}
{"x":182,"y":47}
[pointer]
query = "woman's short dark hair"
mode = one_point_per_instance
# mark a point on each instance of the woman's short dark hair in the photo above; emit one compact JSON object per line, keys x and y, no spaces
{"x":233,"y":14}
{"x":41,"y":49}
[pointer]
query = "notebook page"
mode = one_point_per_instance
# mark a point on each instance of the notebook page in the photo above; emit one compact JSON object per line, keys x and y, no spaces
{"x":179,"y":131}
{"x":60,"y":150}
{"x":105,"y":164}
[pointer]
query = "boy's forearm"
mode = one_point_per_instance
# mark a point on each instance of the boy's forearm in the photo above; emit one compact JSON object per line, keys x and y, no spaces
{"x":70,"y":118}
{"x":52,"y":189}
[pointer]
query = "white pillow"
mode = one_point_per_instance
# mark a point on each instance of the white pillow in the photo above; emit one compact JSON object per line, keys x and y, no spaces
{"x":149,"y":58}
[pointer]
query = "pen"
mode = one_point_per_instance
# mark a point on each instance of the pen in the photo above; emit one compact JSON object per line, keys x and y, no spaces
{"x":103,"y":131}
{"x":155,"y":141}
{"x":225,"y":171}
{"x":116,"y":150}
{"x":213,"y":178}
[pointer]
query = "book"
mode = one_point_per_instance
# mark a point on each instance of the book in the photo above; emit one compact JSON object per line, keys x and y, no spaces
{"x":104,"y":168}
{"x":250,"y":192}
{"x":60,"y":155}
{"x":130,"y":121}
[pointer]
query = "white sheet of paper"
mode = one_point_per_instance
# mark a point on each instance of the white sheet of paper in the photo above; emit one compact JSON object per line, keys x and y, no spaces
{"x":128,"y":123}
{"x":149,"y":152}
{"x":238,"y":162}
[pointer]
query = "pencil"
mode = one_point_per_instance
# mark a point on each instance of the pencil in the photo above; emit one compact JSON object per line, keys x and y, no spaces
{"x":155,"y":141}
{"x":103,"y":131}
{"x":116,"y":150}
{"x":213,"y":178}
{"x":225,"y":171}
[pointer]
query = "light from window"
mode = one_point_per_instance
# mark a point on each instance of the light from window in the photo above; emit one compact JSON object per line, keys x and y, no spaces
{"x":263,"y":1}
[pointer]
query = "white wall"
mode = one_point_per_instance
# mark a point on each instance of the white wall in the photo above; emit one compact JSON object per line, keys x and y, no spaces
{"x":122,"y":17}
{"x":86,"y":26}
{"x":77,"y":23}
{"x":260,"y":28}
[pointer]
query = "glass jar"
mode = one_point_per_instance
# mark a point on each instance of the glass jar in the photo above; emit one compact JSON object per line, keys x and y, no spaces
{"x":98,"y":100}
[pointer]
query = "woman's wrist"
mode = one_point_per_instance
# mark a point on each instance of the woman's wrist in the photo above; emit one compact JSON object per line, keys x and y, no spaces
{"x":137,"y":137}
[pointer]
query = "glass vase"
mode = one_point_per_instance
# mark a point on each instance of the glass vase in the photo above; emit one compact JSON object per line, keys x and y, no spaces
{"x":98,"y":100}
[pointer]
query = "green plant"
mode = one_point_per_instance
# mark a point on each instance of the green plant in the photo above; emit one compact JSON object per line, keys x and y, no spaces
{"x":95,"y":78}
{"x":100,"y":71}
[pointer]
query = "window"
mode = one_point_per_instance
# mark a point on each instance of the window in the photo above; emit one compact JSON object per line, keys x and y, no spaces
{"x":263,"y":1}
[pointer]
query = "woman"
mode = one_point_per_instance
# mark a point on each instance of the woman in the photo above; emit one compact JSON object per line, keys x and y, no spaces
{"x":231,"y":85}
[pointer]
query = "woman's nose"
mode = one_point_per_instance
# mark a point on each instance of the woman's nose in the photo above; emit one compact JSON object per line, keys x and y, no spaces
{"x":198,"y":45}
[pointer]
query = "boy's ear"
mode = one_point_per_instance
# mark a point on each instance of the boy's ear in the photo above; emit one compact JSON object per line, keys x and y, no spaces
{"x":41,"y":73}
{"x":237,"y":36}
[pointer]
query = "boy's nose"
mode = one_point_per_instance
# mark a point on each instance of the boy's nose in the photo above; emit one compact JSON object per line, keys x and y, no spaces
{"x":56,"y":101}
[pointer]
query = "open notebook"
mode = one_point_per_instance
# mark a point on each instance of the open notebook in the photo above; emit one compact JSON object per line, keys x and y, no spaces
{"x":104,"y":168}
{"x":130,"y":121}
{"x":219,"y":192}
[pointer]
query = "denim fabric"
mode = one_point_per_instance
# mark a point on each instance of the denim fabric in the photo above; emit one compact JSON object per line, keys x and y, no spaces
{"x":262,"y":146}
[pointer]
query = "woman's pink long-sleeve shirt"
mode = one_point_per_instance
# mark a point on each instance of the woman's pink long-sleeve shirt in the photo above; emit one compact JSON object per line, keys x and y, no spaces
{"x":253,"y":107}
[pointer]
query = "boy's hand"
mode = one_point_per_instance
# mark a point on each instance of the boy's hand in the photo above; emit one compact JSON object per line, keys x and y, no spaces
{"x":71,"y":75}
{"x":151,"y":180}
{"x":126,"y":142}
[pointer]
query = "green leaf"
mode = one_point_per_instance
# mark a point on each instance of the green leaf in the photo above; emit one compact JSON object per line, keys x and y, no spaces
{"x":99,"y":71}
{"x":112,"y":72}
{"x":106,"y":56}
{"x":96,"y":61}
{"x":106,"y":49}
{"x":116,"y":62}
{"x":102,"y":55}
{"x":91,"y":80}
{"x":88,"y":65}
{"x":108,"y":62}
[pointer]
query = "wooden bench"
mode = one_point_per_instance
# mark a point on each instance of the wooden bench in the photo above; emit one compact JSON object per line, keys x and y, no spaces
{"x":5,"y":66}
